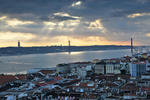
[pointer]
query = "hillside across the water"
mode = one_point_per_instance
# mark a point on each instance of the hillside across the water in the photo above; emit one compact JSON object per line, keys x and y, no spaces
{"x":7,"y":51}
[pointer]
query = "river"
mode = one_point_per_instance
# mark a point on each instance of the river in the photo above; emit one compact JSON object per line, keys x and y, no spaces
{"x":22,"y":63}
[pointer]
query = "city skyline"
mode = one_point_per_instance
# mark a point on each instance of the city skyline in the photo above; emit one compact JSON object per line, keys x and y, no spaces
{"x":83,"y":22}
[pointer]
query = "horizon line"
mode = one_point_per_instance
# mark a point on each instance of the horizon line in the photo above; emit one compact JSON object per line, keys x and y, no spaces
{"x":72,"y":45}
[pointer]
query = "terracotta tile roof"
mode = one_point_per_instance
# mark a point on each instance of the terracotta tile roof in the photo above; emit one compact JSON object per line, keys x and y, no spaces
{"x":145,"y":88}
{"x":21,"y":77}
{"x":57,"y":78}
{"x":45,"y":83}
{"x":130,"y":94}
{"x":126,"y":76}
{"x":47,"y":71}
{"x":10,"y":78}
{"x":130,"y":86}
{"x":6,"y":78}
{"x":52,"y":82}
{"x":40,"y":84}
{"x":111,"y":84}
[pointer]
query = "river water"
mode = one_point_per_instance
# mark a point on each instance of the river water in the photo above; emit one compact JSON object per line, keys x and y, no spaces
{"x":22,"y":63}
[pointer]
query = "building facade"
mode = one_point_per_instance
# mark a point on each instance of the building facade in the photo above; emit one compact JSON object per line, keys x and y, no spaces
{"x":107,"y":68}
{"x":137,"y":69}
{"x":113,"y":68}
{"x":100,"y":68}
{"x":148,"y":63}
{"x":63,"y":68}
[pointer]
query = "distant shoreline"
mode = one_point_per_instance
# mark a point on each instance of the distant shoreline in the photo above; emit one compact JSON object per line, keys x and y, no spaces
{"x":15,"y":51}
{"x":59,"y":52}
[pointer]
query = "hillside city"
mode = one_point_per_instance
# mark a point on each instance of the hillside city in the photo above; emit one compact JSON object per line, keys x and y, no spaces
{"x":125,"y":78}
{"x":74,"y":49}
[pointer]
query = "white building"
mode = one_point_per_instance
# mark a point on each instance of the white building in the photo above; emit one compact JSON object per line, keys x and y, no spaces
{"x":107,"y":68}
{"x":113,"y":68}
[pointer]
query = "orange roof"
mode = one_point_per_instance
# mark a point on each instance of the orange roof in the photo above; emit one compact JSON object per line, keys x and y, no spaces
{"x":111,"y":84}
{"x":47,"y":71}
{"x":57,"y":78}
{"x":6,"y":78}
{"x":146,"y":88}
{"x":51,"y":82}
{"x":40,"y":84}
{"x":10,"y":78}
{"x":45,"y":83}
{"x":21,"y":77}
{"x":130,"y":86}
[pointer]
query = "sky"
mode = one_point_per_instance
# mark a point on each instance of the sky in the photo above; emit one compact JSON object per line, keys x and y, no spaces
{"x":83,"y":22}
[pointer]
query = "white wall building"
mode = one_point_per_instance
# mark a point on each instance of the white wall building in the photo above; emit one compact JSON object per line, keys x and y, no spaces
{"x":113,"y":68}
{"x":107,"y":68}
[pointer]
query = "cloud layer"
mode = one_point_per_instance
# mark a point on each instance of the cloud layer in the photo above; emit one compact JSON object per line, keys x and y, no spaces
{"x":84,"y":22}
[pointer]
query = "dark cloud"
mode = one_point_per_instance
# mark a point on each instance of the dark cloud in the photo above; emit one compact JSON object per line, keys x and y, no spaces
{"x":92,"y":8}
{"x":113,"y":14}
{"x":38,"y":8}
{"x":63,"y":18}
{"x":34,"y":9}
{"x":110,"y":8}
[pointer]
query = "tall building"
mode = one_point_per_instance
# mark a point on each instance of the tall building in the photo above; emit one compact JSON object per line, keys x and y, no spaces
{"x":137,"y":69}
{"x":18,"y":44}
{"x":148,"y":63}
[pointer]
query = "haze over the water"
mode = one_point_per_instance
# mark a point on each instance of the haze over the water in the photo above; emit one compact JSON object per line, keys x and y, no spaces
{"x":23,"y":63}
{"x":83,"y":22}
